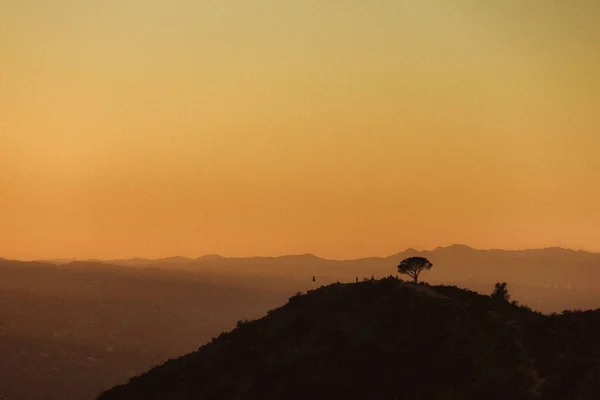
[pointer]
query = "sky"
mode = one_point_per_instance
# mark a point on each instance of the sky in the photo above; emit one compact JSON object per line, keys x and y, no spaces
{"x":345,"y":129}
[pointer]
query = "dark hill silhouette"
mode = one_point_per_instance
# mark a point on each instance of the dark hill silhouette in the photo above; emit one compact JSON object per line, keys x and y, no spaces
{"x":387,"y":340}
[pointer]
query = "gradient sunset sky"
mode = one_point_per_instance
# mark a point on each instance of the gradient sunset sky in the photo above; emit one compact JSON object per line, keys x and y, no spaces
{"x":341,"y":128}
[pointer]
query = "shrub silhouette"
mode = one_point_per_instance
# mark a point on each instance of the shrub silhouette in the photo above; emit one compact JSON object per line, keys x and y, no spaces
{"x":413,"y":266}
{"x":500,"y":292}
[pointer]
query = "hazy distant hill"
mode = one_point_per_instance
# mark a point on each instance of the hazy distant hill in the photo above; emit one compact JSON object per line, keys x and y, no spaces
{"x":554,"y":267}
{"x":70,"y":331}
{"x":387,"y":340}
{"x":549,"y":279}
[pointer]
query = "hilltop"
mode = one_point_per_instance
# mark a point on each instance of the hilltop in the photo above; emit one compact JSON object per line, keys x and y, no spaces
{"x":386,"y":340}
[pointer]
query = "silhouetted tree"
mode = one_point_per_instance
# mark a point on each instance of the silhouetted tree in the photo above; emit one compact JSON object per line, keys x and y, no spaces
{"x":314,"y":280}
{"x":413,"y":266}
{"x":500,"y":292}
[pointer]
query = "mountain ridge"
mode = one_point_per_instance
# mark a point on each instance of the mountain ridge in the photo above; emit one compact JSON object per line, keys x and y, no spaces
{"x":216,"y":257}
{"x":550,"y":279}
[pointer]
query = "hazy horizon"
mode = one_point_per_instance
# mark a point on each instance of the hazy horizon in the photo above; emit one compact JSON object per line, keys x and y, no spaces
{"x":402,"y":250}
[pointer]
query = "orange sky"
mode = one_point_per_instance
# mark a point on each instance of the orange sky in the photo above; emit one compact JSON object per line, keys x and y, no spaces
{"x":155,"y":128}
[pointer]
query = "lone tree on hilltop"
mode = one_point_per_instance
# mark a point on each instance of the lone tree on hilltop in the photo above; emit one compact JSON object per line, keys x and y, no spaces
{"x":413,"y":267}
{"x":500,"y":292}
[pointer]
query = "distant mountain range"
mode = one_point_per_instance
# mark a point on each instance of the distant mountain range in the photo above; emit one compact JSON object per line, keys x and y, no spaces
{"x":455,"y":248}
{"x":549,"y":279}
{"x":549,"y":267}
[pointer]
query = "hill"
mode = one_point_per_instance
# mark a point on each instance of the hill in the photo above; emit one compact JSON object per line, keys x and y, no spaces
{"x":387,"y":340}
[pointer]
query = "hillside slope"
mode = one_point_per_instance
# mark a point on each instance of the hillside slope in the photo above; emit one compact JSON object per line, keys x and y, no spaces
{"x":387,"y":340}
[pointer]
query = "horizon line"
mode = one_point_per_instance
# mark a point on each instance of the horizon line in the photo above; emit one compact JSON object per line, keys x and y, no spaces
{"x":191,"y":258}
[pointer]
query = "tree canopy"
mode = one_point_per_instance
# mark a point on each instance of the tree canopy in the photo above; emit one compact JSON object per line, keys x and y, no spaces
{"x":413,"y":266}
